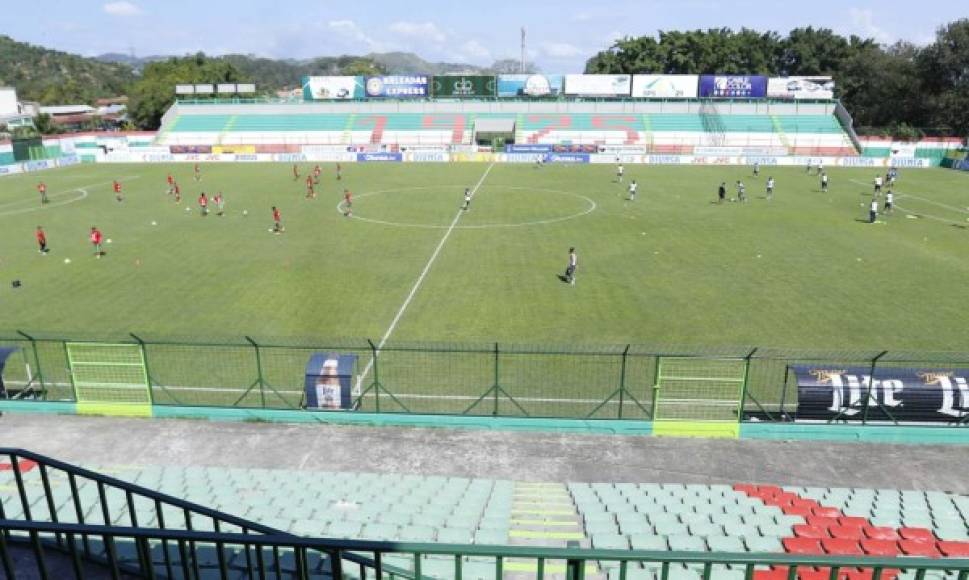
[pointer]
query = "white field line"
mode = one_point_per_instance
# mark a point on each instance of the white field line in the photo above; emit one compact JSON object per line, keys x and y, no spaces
{"x":420,"y":280}
{"x":83,"y":190}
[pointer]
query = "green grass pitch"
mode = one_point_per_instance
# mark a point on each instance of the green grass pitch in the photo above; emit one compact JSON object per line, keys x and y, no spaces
{"x":672,"y":267}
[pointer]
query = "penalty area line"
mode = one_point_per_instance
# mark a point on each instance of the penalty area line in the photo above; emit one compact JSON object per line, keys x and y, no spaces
{"x":417,"y":284}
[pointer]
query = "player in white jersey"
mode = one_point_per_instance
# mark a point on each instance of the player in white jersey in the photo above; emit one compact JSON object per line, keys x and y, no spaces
{"x":467,"y":199}
{"x":889,"y":202}
{"x":756,"y":168}
{"x":570,"y":269}
{"x":770,"y":188}
{"x":619,"y":172}
{"x":741,"y":192}
{"x":632,"y":190}
{"x":824,"y":183}
{"x":820,"y":167}
{"x":873,"y":211}
{"x":878,"y":185}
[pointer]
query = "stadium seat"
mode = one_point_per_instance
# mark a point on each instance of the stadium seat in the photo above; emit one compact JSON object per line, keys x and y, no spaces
{"x":916,"y":534}
{"x":841,"y":547}
{"x":919,"y":548}
{"x":954,"y":549}
{"x":809,"y":531}
{"x":879,"y":547}
{"x":802,"y":545}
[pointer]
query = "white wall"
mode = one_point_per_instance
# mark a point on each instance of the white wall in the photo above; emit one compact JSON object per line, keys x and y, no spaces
{"x":8,"y":102}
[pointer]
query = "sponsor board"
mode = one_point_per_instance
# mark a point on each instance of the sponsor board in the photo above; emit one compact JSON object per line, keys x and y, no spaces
{"x":800,"y":88}
{"x":339,"y":88}
{"x":519,"y":157}
{"x":598,"y":85}
{"x":530,"y":85}
{"x":426,"y":157}
{"x":191,"y":149}
{"x":157,"y":157}
{"x":528,"y":148}
{"x":68,"y":160}
{"x":748,"y":151}
{"x":397,"y":86}
{"x":246,"y":157}
{"x":854,"y":393}
{"x":238,"y":149}
{"x":664,"y":159}
{"x":480,"y":157}
{"x":379,"y":157}
{"x":665,"y":86}
{"x":10,"y":169}
{"x":567,"y":157}
{"x":289,"y":157}
{"x":733,"y":86}
{"x":464,"y":86}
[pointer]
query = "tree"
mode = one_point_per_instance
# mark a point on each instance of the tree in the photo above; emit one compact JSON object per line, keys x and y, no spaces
{"x":154,"y":93}
{"x":361,"y":67}
{"x":945,"y":77}
{"x":44,"y":124}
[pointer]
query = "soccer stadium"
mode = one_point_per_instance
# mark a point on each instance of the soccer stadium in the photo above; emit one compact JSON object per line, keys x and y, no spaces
{"x":684,"y":302}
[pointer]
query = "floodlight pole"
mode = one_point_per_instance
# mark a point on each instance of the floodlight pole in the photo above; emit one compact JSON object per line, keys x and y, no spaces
{"x":521,"y":66}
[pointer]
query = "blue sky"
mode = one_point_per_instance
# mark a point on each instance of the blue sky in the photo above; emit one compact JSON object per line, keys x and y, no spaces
{"x":561,"y":33}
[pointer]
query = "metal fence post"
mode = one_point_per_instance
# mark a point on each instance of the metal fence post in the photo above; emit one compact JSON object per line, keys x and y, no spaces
{"x":144,"y":358}
{"x":262,"y":383}
{"x":496,"y":387}
{"x":376,"y":376}
{"x":743,"y":387}
{"x":871,"y":382}
{"x":622,"y":379}
{"x":40,"y":373}
{"x":655,"y":405}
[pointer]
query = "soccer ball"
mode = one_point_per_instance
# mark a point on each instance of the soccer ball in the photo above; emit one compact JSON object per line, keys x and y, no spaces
{"x":67,"y":260}
{"x":108,"y":240}
{"x":154,"y":223}
{"x":245,"y":212}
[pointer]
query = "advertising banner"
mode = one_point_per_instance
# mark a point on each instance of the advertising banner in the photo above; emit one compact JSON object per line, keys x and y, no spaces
{"x":530,"y":85}
{"x":426,"y":157}
{"x":903,"y":394}
{"x":329,"y":381}
{"x":665,"y":86}
{"x":242,"y":149}
{"x":464,"y":86}
{"x":598,"y":85}
{"x":368,"y":157}
{"x":191,"y":149}
{"x":732,"y":86}
{"x":800,"y":88}
{"x":567,"y":158}
{"x":332,"y":88}
{"x":528,"y":148}
{"x":397,"y":86}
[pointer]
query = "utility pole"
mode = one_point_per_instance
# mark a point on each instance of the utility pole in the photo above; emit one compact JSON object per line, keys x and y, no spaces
{"x":522,"y":64}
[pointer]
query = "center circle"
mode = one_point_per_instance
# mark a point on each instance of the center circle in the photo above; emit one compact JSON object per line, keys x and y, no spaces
{"x":457,"y":193}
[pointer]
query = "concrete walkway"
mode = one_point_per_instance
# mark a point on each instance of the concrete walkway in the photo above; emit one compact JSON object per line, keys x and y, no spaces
{"x":97,"y":441}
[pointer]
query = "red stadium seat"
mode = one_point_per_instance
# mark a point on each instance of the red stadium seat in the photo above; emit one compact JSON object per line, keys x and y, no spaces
{"x":919,"y":548}
{"x":846,"y":532}
{"x":954,"y":549}
{"x":841,"y":547}
{"x":881,"y":533}
{"x":811,"y":546}
{"x":854,"y":522}
{"x":826,"y":511}
{"x":809,"y":531}
{"x":821,"y":521}
{"x":920,"y":534}
{"x":879,"y":547}
{"x":793,"y":510}
{"x":800,"y":501}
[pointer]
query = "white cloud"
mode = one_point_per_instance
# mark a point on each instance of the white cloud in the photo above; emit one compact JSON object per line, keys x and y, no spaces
{"x":581,"y":17}
{"x":121,"y":8}
{"x":427,"y":31}
{"x":864,"y":25}
{"x":474,"y":50}
{"x":349,"y":30}
{"x":560,"y":50}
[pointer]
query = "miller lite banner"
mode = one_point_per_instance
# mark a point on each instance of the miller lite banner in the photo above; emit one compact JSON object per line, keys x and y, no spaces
{"x":465,"y":86}
{"x":900,"y":394}
{"x":329,"y":381}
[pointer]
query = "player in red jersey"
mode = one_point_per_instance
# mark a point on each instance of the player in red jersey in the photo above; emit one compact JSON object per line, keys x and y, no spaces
{"x":41,"y":240}
{"x":317,"y":172}
{"x":42,"y":190}
{"x":310,"y":191}
{"x":219,"y":204}
{"x":96,"y":239}
{"x":198,"y":173}
{"x":277,"y":221}
{"x":178,"y":193}
{"x":204,"y":204}
{"x":348,"y":202}
{"x":339,"y":172}
{"x":117,"y":191}
{"x":171,"y":184}
{"x":295,"y":172}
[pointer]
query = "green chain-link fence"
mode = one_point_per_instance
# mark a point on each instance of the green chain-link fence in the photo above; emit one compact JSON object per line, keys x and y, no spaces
{"x":574,"y":381}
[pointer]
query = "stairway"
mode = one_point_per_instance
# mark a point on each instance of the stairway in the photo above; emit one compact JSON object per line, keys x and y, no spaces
{"x":779,"y":129}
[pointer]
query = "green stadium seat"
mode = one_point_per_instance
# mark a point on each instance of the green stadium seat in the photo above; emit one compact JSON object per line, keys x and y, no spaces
{"x":609,"y":542}
{"x":490,"y":537}
{"x":648,"y":542}
{"x":730,"y":544}
{"x":761,"y":544}
{"x":685,"y":543}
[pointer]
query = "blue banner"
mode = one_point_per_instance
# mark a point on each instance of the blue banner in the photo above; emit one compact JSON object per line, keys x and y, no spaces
{"x":962,"y":165}
{"x":568,"y":158}
{"x":397,"y":86}
{"x":329,"y":381}
{"x":530,"y":85}
{"x":733,"y":86}
{"x":528,"y":148}
{"x":364,"y":157}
